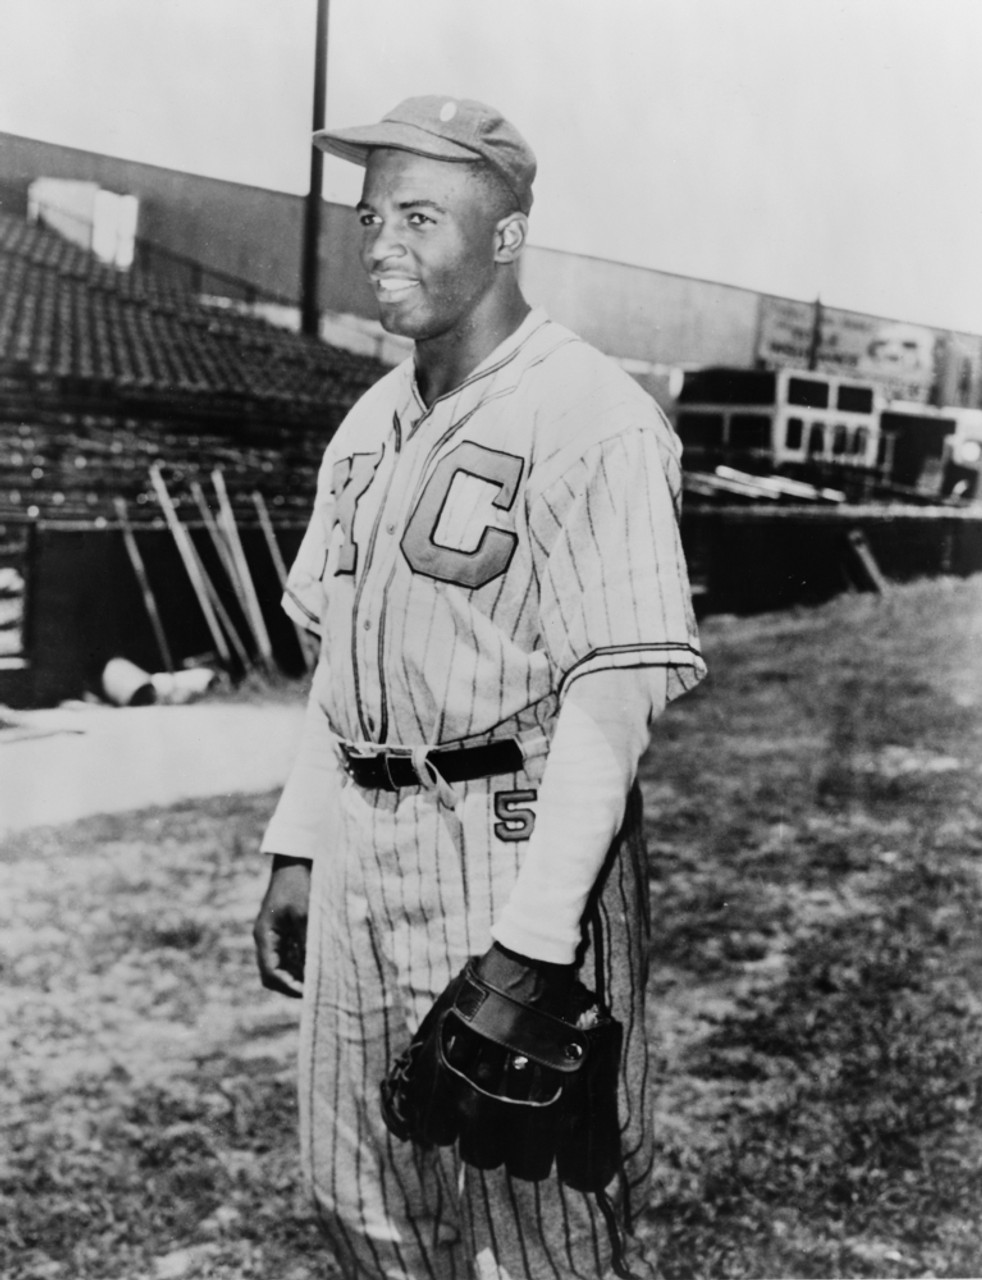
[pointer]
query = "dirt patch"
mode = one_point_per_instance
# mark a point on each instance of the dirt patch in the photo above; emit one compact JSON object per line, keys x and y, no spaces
{"x":814,"y":823}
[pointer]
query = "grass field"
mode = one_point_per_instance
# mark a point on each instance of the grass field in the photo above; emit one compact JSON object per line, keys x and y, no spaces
{"x":816,"y":871}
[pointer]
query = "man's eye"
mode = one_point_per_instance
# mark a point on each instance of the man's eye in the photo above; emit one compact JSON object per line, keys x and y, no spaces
{"x":368,"y":219}
{"x":417,"y":219}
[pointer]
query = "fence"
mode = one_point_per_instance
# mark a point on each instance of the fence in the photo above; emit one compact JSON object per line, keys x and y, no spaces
{"x":754,"y":559}
{"x":84,"y":605}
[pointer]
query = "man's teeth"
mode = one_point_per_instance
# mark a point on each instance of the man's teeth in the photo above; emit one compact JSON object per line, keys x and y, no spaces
{"x":399,"y":285}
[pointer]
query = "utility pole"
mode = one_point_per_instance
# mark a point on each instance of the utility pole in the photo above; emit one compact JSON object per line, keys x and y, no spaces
{"x":309,"y":271}
{"x":816,"y":339}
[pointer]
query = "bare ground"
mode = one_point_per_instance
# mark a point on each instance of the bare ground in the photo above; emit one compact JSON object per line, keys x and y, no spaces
{"x":815,"y":823}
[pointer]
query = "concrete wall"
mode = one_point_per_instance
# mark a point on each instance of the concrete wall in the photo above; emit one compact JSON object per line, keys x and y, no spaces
{"x":245,"y":231}
{"x":631,"y":312}
{"x":256,"y":234}
{"x":641,"y":314}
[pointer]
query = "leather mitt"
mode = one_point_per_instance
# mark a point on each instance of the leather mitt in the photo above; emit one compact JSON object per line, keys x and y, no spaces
{"x":514,"y":1083}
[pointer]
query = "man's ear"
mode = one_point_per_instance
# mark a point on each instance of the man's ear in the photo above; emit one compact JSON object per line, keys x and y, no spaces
{"x":509,"y":237}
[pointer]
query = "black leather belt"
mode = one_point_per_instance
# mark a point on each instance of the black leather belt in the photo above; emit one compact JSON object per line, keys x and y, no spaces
{"x":390,"y":770}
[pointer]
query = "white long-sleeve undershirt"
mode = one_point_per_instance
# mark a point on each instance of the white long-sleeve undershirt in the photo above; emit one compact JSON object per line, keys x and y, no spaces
{"x":601,"y":734}
{"x":307,"y":810}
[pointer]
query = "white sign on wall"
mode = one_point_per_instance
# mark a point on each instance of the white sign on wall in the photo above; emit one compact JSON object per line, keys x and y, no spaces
{"x":88,"y":216}
{"x":901,"y":358}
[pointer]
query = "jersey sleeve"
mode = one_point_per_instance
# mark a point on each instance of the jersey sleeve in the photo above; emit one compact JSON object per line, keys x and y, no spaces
{"x":614,"y":586}
{"x":303,"y":598}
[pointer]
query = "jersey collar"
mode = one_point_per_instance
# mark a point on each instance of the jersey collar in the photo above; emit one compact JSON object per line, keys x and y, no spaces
{"x":500,"y":355}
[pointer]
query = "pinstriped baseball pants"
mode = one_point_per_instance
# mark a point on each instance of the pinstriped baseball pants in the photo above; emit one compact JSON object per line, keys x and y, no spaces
{"x":406,"y":895}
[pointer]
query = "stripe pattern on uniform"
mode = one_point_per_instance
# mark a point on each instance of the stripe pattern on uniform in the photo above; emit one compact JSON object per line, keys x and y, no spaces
{"x":465,"y":563}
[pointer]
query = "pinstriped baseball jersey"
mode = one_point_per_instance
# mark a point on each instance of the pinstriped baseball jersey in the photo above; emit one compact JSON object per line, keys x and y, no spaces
{"x":465,"y":562}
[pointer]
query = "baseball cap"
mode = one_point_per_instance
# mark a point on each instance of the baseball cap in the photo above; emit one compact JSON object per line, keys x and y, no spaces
{"x":455,"y":129}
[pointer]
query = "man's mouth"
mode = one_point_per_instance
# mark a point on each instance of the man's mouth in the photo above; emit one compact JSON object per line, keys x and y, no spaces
{"x":394,"y":288}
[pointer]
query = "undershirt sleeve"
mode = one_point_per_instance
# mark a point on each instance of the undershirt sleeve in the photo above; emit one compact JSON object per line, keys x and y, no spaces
{"x":601,"y":733}
{"x":306,"y":813}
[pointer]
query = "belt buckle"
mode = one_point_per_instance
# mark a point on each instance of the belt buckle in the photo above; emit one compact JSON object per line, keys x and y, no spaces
{"x":353,"y":753}
{"x":390,"y":754}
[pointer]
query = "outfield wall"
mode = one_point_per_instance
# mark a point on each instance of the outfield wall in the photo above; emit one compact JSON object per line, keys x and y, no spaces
{"x":84,"y":605}
{"x":645,"y":315}
{"x":632,"y":312}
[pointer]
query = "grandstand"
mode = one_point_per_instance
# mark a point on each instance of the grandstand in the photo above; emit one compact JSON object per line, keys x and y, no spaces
{"x":103,"y":373}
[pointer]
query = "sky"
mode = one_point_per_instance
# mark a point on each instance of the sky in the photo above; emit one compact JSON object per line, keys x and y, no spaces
{"x":798,"y":147}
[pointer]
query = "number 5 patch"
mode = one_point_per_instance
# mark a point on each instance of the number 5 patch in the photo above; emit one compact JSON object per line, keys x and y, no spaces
{"x":517,"y":820}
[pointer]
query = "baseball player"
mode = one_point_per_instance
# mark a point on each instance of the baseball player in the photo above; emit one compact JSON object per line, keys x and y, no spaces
{"x":494,"y":570}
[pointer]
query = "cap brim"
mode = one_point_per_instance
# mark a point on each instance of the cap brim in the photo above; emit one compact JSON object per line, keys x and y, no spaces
{"x":356,"y":144}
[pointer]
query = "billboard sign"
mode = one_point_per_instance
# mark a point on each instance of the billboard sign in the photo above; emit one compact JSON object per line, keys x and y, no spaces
{"x":900,"y":358}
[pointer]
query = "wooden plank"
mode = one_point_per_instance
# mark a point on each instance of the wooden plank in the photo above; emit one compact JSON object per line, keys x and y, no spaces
{"x":231,"y":532}
{"x":211,"y":524}
{"x":304,"y":638}
{"x":192,"y":565}
{"x":224,"y":553}
{"x":139,"y":568}
{"x":235,"y":640}
{"x":865,"y":561}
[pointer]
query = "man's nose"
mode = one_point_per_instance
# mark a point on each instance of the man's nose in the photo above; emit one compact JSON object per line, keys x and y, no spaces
{"x":383,"y":243}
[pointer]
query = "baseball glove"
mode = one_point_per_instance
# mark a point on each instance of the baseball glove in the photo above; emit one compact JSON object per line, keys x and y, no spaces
{"x":524,"y":1077}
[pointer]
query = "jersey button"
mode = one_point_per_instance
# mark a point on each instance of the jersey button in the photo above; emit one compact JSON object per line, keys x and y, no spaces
{"x":390,"y":528}
{"x":367,"y":625}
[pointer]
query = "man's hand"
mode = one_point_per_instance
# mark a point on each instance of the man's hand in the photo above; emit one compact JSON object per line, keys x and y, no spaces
{"x":535,"y":983}
{"x":280,"y":931}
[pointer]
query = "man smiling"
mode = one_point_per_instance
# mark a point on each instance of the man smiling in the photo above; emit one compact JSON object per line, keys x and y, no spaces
{"x":426,"y":257}
{"x":495,"y":573}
